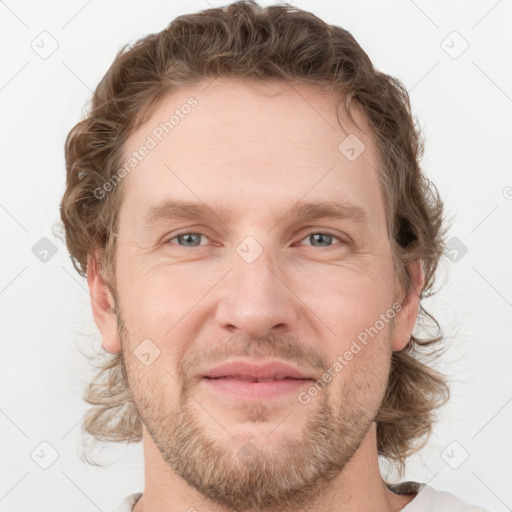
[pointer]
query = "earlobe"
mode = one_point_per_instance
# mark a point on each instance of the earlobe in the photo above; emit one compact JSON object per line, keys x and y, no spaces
{"x":405,"y":319}
{"x":102,"y":304}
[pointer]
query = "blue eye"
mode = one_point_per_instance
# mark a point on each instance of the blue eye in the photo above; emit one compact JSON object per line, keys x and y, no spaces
{"x":189,"y":239}
{"x":323,"y":239}
{"x":317,"y":239}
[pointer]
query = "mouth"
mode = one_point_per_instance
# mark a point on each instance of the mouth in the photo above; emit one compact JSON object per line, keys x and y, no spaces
{"x":246,"y":380}
{"x":243,"y":378}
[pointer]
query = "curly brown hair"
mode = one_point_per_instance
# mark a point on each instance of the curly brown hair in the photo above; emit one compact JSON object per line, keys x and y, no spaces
{"x":244,"y":40}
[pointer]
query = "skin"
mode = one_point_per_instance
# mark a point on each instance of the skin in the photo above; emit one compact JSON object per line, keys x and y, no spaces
{"x":255,"y":153}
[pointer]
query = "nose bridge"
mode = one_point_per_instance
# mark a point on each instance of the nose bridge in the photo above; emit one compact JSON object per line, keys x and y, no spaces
{"x":255,"y":272}
{"x":254,"y":297}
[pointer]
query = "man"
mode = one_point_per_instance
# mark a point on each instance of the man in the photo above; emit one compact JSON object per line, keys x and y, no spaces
{"x":246,"y":201}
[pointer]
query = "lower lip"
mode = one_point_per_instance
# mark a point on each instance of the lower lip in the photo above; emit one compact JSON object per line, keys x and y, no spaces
{"x":269,"y":389}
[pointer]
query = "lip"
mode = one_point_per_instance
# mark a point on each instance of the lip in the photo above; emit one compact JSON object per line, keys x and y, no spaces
{"x":243,"y":379}
{"x":250,"y":371}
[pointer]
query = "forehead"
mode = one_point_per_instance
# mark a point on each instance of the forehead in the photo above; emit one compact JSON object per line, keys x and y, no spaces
{"x":260,"y":145}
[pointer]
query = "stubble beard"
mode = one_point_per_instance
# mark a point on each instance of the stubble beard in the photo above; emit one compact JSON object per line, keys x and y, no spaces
{"x":244,"y":476}
{"x":286,"y":476}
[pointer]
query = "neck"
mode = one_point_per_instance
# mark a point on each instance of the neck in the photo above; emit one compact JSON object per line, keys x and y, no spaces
{"x":358,"y":487}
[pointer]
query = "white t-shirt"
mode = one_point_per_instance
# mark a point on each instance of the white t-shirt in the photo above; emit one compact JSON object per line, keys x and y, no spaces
{"x":427,"y":500}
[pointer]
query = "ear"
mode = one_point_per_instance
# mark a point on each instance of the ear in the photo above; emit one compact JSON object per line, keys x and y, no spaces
{"x":405,"y":319}
{"x":102,"y":304}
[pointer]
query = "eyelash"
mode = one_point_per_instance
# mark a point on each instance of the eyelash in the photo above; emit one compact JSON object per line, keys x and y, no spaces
{"x":168,"y":241}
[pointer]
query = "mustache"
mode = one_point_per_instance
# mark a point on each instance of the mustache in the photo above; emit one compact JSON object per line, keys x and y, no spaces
{"x":287,"y":348}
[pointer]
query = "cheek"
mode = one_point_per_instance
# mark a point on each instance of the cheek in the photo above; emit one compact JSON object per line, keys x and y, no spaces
{"x":355,"y":301}
{"x":362,"y":381}
{"x":164,"y":304}
{"x":348,"y":297}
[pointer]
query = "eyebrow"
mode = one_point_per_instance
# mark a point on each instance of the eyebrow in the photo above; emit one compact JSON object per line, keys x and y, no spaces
{"x":302,"y":210}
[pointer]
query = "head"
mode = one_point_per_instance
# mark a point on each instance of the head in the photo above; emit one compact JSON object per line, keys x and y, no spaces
{"x":270,"y":121}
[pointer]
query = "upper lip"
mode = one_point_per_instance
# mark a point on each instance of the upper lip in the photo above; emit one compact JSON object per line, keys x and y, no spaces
{"x":251,"y":371}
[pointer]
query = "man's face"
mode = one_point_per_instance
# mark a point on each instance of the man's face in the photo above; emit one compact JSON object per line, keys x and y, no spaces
{"x":254,"y":285}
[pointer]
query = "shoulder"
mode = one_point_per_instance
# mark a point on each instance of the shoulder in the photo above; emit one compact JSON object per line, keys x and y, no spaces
{"x":127,"y":504}
{"x":429,"y":499}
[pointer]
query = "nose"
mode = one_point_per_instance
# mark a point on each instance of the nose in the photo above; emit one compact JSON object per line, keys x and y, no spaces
{"x":256,"y":299}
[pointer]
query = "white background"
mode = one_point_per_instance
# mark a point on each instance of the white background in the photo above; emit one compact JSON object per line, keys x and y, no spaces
{"x":464,"y":106}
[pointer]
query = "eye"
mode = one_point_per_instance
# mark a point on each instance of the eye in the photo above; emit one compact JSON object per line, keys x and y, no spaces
{"x":191,"y":239}
{"x":320,"y":239}
{"x":187,"y":239}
